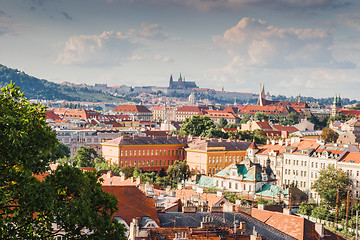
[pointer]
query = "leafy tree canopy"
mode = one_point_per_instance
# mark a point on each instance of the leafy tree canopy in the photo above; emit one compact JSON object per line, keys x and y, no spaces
{"x":178,"y":172}
{"x":197,"y":126}
{"x":329,"y":181}
{"x":259,"y":116}
{"x":329,"y":135}
{"x":68,"y":197}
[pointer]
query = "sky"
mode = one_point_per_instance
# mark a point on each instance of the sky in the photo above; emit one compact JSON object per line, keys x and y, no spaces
{"x":306,"y":47}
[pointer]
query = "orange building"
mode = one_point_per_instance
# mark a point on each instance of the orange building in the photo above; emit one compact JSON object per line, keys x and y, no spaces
{"x":145,"y":153}
{"x":209,"y":156}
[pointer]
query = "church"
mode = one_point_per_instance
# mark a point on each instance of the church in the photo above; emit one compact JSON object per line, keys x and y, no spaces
{"x":181,"y":83}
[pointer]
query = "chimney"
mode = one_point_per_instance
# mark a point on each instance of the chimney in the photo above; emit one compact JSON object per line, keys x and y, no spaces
{"x":319,"y":228}
{"x":138,"y":180}
{"x":109,"y":174}
{"x":122,"y":177}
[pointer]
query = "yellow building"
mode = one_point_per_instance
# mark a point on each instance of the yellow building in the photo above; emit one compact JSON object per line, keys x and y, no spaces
{"x":209,"y":156}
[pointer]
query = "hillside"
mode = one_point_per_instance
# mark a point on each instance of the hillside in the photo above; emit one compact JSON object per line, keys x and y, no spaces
{"x":35,"y":88}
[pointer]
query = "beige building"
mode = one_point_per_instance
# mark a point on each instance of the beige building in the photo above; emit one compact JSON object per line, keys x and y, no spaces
{"x":209,"y":156}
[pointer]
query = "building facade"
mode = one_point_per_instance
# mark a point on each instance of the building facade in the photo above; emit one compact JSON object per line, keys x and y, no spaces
{"x":209,"y":156}
{"x":145,"y":153}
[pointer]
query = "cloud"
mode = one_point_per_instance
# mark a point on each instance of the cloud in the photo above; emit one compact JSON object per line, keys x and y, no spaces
{"x":148,"y":32}
{"x":351,"y":20}
{"x":210,"y":5}
{"x":163,"y":59}
{"x":111,"y":48}
{"x":7,"y":25}
{"x":255,"y":43}
{"x":106,"y":49}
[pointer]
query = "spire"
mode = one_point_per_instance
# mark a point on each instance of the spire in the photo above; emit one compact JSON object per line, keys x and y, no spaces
{"x":171,"y":81}
{"x":262,"y":97}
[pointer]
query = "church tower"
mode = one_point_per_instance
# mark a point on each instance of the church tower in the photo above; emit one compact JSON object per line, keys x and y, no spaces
{"x":262,"y":98}
{"x":171,"y":83}
{"x":336,"y":105}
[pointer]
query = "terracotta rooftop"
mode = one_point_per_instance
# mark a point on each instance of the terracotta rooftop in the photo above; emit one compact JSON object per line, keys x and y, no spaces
{"x":351,"y":157}
{"x":132,"y":203}
{"x":131,"y":108}
{"x":297,"y":227}
{"x":290,"y":129}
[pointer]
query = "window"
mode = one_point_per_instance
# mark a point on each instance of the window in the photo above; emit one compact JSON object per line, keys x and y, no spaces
{"x":226,"y":159}
{"x":209,"y":159}
{"x":221,"y":159}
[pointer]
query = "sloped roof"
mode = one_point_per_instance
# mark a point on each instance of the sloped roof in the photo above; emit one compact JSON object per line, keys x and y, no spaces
{"x":195,"y":109}
{"x":351,"y":157}
{"x":185,"y":194}
{"x":51,"y":115}
{"x":264,"y":125}
{"x":290,"y":129}
{"x":297,"y":227}
{"x":131,"y":108}
{"x":132,"y":203}
{"x":227,"y":145}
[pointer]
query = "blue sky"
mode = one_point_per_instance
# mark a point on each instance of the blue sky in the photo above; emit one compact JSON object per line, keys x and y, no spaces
{"x":308,"y":47}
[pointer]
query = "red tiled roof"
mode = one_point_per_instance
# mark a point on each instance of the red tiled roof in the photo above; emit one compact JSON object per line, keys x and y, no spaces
{"x":351,"y":112}
{"x":51,"y":115}
{"x":265,"y":109}
{"x":189,"y":109}
{"x":297,"y":227}
{"x":290,"y":129}
{"x":264,"y":125}
{"x":132,"y":203}
{"x":351,"y":157}
{"x":219,"y":113}
{"x":131,"y":108}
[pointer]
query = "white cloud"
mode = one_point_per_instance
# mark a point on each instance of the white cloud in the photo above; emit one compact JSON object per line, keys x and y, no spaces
{"x":110,"y":48}
{"x":148,"y":32}
{"x":107,"y":49}
{"x":255,"y":43}
{"x":163,"y":59}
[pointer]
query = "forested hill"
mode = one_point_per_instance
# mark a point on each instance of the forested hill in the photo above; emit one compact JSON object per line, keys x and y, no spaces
{"x":35,"y":88}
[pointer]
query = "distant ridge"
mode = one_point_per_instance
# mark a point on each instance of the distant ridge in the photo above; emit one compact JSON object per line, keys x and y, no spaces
{"x":35,"y":88}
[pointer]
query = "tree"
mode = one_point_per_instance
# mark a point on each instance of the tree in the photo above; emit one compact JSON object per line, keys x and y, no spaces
{"x":330,"y":180}
{"x":305,"y":209}
{"x":197,"y":126}
{"x":329,"y":135}
{"x":222,"y":122}
{"x":259,"y":116}
{"x":85,"y":157}
{"x":245,"y":118}
{"x":28,"y":207}
{"x":128,"y":171}
{"x":61,"y":151}
{"x":216,"y":133}
{"x":292,"y":118}
{"x":178,"y":172}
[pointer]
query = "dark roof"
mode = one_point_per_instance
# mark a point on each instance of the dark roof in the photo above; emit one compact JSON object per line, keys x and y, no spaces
{"x":225,"y":219}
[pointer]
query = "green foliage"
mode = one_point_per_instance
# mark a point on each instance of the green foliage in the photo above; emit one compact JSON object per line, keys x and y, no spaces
{"x":68,"y":196}
{"x":41,"y":89}
{"x":321,"y":212}
{"x":261,"y":201}
{"x":339,"y":117}
{"x":329,"y":135}
{"x":197,"y":126}
{"x":216,"y":133}
{"x":178,"y":172}
{"x":61,"y":151}
{"x":128,"y":171}
{"x":356,"y":107}
{"x":136,"y":172}
{"x":291,"y":119}
{"x":318,"y":124}
{"x":245,"y":118}
{"x":258,"y":136}
{"x":210,"y":190}
{"x":231,"y":196}
{"x":329,"y":181}
{"x":305,"y":209}
{"x":85,"y":157}
{"x":259,"y":116}
{"x":222,"y":122}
